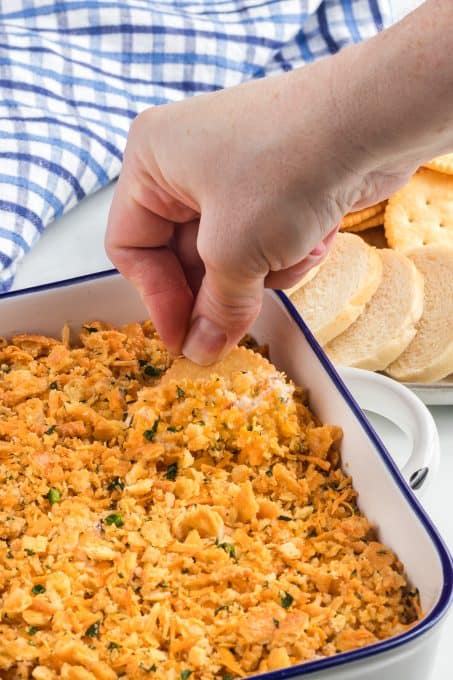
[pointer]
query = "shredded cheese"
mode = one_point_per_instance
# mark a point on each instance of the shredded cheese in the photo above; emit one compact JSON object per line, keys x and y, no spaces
{"x":198,"y":529}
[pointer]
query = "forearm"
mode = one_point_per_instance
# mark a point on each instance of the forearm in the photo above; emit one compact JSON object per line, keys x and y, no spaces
{"x":400,"y":86}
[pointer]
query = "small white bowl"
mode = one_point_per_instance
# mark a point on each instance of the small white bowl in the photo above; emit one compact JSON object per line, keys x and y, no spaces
{"x":384,"y":491}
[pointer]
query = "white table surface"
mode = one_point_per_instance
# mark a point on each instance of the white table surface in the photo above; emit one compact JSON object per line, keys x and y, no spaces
{"x":74,"y":246}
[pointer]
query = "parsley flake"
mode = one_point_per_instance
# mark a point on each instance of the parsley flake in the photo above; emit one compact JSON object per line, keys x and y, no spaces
{"x":116,"y":483}
{"x":115,"y":519}
{"x":53,"y":496}
{"x":38,"y":589}
{"x":93,"y":630}
{"x":180,"y":393}
{"x":228,"y":547}
{"x":149,"y":434}
{"x":152,"y":371}
{"x":32,"y":630}
{"x":223,"y":607}
{"x":184,"y":675}
{"x":287,"y":600}
{"x":172,"y":471}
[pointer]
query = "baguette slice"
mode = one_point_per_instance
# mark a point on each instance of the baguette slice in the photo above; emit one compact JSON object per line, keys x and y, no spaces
{"x":305,"y":279}
{"x":345,"y":282}
{"x":388,"y":323}
{"x":429,"y":356}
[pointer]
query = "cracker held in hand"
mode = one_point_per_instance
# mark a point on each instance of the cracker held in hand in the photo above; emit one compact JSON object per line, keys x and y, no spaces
{"x":421,"y":213}
{"x":239,"y":359}
{"x":442,"y":164}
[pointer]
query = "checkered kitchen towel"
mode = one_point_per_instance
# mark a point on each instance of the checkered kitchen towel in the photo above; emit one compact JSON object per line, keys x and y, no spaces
{"x":74,"y":73}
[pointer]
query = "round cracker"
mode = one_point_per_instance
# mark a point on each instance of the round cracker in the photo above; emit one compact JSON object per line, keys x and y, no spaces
{"x":441,"y":164}
{"x":353,"y":218}
{"x":375,"y":221}
{"x":421,"y":213}
{"x":239,"y":359}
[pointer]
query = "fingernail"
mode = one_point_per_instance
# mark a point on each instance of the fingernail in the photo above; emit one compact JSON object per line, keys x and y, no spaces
{"x":204,"y":342}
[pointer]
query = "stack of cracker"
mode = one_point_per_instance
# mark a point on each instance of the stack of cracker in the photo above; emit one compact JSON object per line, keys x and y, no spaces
{"x":383,"y":299}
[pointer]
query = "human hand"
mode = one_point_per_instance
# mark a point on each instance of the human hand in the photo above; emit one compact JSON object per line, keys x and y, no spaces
{"x":224,"y":194}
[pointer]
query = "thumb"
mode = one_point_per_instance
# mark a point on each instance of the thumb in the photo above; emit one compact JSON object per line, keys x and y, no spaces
{"x":225,"y":308}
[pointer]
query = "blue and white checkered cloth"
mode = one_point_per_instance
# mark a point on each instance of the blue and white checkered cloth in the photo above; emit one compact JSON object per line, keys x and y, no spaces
{"x":74,"y":73}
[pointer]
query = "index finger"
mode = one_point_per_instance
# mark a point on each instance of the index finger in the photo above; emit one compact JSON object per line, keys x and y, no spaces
{"x":137,"y":242}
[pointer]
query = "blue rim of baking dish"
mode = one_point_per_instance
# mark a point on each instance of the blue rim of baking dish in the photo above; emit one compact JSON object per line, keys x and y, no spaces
{"x":446,"y":595}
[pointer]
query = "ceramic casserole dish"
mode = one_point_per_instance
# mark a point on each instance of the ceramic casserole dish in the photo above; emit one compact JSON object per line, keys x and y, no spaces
{"x":384,"y":491}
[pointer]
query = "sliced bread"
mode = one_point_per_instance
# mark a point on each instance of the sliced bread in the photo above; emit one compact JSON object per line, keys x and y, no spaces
{"x":345,"y":282}
{"x":429,"y":357}
{"x":388,"y":323}
{"x":305,"y":279}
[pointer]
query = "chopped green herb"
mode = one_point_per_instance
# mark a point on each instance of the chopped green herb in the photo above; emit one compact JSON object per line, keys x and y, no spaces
{"x":9,"y":555}
{"x":269,"y":472}
{"x":223,"y":607}
{"x":276,"y":623}
{"x":38,"y":589}
{"x":151,"y":669}
{"x":149,"y":434}
{"x":287,"y":600}
{"x":284,"y":518}
{"x":152,"y":371}
{"x":93,"y":630}
{"x":173,"y":428}
{"x":184,"y":675}
{"x":382,"y":552}
{"x":116,"y":483}
{"x":29,"y":552}
{"x":172,"y":471}
{"x":53,"y":496}
{"x":90,"y":329}
{"x":32,"y":630}
{"x":115,"y":519}
{"x":53,"y":386}
{"x":51,"y":429}
{"x":112,"y":646}
{"x":180,"y":394}
{"x":227,"y":676}
{"x":228,"y":547}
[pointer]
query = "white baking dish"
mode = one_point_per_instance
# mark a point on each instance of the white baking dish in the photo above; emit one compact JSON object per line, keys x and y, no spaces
{"x":384,"y":495}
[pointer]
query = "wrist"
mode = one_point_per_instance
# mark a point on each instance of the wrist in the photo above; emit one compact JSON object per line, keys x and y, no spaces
{"x":399,"y":93}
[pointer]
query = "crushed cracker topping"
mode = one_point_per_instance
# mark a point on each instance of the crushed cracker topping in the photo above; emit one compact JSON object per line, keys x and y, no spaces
{"x":198,"y":529}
